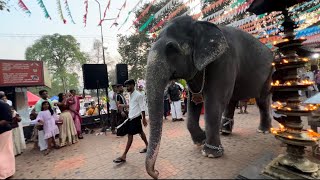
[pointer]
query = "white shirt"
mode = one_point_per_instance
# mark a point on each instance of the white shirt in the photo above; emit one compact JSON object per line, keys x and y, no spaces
{"x":112,"y":102}
{"x":9,"y":102}
{"x":136,"y":104}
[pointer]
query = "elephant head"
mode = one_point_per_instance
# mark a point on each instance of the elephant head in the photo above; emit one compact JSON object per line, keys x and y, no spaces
{"x":183,"y":48}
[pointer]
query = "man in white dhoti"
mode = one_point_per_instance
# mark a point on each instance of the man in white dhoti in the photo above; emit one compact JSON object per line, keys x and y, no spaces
{"x":174,"y":92}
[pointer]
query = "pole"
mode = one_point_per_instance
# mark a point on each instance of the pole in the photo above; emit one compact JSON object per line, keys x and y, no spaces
{"x":103,"y":56}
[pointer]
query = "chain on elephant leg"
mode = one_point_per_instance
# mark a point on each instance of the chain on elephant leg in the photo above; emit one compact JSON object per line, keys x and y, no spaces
{"x":226,"y":125}
{"x":212,"y":151}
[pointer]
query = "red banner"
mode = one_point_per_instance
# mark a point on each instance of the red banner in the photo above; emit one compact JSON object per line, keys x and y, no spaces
{"x":21,"y":73}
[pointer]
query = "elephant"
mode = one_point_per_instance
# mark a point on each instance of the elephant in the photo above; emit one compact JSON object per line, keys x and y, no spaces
{"x":221,"y":65}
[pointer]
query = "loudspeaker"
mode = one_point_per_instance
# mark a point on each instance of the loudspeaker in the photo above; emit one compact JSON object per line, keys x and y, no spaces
{"x":122,"y":73}
{"x":93,"y":73}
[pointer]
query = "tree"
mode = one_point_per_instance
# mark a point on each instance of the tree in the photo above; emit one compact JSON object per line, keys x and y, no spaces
{"x":62,"y":55}
{"x":2,"y":5}
{"x":134,"y":48}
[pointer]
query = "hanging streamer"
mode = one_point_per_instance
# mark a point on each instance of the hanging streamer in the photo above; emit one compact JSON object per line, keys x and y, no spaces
{"x":85,"y":15}
{"x":44,"y":9}
{"x":144,"y":12}
{"x":60,"y":12}
{"x":122,"y":7}
{"x":170,"y":16}
{"x":132,"y":10}
{"x":68,"y":11}
{"x":24,"y":7}
{"x":105,"y":12}
{"x":147,"y":23}
{"x":157,"y":14}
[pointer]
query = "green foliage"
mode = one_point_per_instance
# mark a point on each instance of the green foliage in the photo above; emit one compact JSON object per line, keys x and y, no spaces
{"x":62,"y":55}
{"x":3,"y":5}
{"x":183,"y":82}
{"x":134,"y":48}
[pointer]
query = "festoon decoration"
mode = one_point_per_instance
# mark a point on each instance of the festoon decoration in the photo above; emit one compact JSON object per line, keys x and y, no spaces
{"x":44,"y":9}
{"x":24,"y":7}
{"x":60,"y":12}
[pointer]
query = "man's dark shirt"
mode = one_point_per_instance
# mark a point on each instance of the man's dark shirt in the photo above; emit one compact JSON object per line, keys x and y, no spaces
{"x":174,"y":92}
{"x":121,"y":99}
{"x":5,"y":114}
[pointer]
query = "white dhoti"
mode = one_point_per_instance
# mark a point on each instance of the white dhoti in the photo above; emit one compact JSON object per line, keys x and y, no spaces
{"x":176,"y":112}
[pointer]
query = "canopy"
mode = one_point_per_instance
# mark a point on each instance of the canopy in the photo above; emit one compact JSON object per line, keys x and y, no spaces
{"x":54,"y":98}
{"x":32,"y":98}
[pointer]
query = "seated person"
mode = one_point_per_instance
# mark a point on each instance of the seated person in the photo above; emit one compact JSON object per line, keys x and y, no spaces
{"x":93,"y":110}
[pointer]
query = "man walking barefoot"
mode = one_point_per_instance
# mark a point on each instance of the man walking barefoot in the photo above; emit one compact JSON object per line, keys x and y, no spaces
{"x":136,"y":113}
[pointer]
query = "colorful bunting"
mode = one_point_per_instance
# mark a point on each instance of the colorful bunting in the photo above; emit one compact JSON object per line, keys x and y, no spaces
{"x":44,"y":9}
{"x":157,"y":14}
{"x":147,"y":23}
{"x":170,"y":16}
{"x":68,"y":11}
{"x":105,"y":12}
{"x":122,"y":7}
{"x":24,"y":7}
{"x":144,"y":12}
{"x":132,"y":10}
{"x":85,"y":15}
{"x":60,"y":12}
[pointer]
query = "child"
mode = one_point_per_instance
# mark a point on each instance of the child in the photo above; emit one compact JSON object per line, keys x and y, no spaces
{"x":48,"y":119}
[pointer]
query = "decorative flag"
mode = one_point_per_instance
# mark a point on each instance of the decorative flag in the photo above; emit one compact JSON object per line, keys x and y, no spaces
{"x":85,"y":15}
{"x":60,"y":12}
{"x":44,"y":9}
{"x":144,"y":12}
{"x":122,"y":7}
{"x":132,"y":10}
{"x":146,"y":23}
{"x":24,"y":7}
{"x":68,"y":11}
{"x":105,"y":12}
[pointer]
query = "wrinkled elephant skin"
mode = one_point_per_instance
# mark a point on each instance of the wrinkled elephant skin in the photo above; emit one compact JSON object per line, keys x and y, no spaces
{"x":232,"y":64}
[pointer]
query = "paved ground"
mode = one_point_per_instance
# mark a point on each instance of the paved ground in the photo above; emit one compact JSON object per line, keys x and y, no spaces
{"x":178,"y":158}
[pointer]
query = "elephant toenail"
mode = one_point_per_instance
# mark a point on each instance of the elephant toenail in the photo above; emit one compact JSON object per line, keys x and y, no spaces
{"x":204,"y":153}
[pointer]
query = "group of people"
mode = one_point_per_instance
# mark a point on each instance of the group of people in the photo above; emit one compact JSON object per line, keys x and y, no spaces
{"x":49,"y":123}
{"x":12,"y":140}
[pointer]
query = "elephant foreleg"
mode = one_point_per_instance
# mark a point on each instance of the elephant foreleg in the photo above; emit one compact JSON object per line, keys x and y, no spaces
{"x":213,"y":112}
{"x":227,"y":118}
{"x":197,"y":134}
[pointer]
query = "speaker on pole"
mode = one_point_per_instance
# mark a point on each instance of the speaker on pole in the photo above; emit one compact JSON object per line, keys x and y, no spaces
{"x":95,"y":76}
{"x":122,"y":73}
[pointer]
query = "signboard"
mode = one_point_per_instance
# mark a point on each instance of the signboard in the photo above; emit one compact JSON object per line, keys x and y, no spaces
{"x":21,"y":73}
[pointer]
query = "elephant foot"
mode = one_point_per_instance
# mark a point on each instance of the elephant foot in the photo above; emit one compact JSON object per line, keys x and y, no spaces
{"x":199,"y":138}
{"x":212,"y":151}
{"x":264,"y":130}
{"x":227,"y":125}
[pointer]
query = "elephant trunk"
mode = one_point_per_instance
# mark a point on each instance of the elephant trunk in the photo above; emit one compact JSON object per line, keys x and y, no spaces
{"x":156,"y":81}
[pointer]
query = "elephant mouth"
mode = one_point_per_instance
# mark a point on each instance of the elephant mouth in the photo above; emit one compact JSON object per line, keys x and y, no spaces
{"x":173,"y":76}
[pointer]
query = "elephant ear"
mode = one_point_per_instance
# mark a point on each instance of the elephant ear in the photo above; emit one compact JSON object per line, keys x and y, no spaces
{"x":209,"y":44}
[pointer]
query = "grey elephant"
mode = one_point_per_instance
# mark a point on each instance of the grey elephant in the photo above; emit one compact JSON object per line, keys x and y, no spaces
{"x":221,"y":66}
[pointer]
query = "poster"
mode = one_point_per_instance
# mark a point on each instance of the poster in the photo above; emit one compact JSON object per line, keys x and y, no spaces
{"x":21,"y":73}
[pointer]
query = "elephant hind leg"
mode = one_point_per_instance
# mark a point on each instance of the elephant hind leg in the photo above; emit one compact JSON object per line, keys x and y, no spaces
{"x":227,"y":118}
{"x":197,"y":134}
{"x":264,"y":105}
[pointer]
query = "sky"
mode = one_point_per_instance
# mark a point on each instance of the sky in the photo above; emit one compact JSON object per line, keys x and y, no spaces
{"x":19,"y":31}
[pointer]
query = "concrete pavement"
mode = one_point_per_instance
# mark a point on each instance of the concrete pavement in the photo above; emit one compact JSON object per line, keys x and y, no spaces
{"x":178,"y":158}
